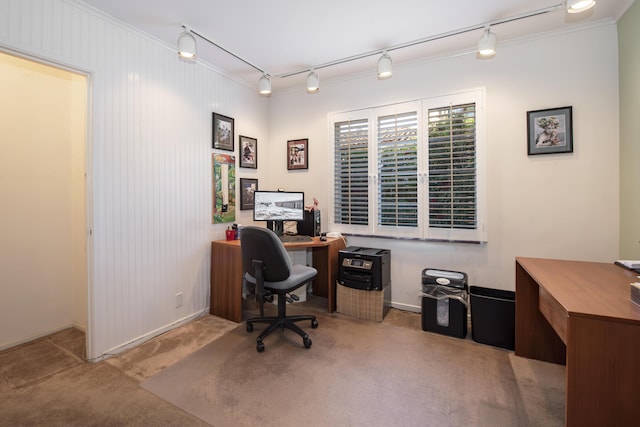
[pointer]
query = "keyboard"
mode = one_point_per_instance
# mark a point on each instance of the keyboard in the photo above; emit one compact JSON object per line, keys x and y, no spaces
{"x":298,"y":238}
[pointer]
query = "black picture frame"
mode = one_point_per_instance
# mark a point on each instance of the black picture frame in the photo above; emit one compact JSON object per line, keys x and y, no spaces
{"x":248,"y":187}
{"x":298,"y":154}
{"x":550,"y":131}
{"x":222,"y":134}
{"x":248,"y":152}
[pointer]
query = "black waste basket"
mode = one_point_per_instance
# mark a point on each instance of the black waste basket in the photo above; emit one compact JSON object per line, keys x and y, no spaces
{"x":444,"y":302}
{"x":493,"y":316}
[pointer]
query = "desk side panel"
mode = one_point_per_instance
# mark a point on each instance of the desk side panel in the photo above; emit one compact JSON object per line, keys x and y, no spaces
{"x":325,"y":260}
{"x":535,"y":338}
{"x":226,"y":281}
{"x":333,"y":270}
{"x":603,"y":379}
{"x":320,"y":257}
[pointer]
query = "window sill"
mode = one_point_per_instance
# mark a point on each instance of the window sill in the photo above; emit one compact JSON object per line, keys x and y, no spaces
{"x":417,"y":239}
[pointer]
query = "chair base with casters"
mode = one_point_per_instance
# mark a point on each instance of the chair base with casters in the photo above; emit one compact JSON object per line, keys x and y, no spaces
{"x":281,"y":321}
{"x":267,"y":266}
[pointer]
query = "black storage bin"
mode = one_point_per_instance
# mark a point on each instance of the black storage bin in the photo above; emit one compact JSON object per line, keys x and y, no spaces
{"x":493,"y":316}
{"x":444,"y":302}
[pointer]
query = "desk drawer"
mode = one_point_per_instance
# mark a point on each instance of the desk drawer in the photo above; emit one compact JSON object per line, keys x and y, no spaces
{"x":554,"y":313}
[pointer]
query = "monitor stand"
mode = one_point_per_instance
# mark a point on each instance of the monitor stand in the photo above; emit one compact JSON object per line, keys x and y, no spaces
{"x":277,"y":227}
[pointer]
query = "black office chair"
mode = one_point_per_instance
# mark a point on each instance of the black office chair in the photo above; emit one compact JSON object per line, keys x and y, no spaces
{"x":266,"y":264}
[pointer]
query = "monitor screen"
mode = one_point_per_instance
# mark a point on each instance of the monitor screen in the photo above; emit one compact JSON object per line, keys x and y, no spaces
{"x":278,"y":206}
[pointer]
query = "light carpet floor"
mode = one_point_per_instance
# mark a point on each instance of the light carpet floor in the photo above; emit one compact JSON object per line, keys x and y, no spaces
{"x":47,"y":383}
{"x":361,"y":373}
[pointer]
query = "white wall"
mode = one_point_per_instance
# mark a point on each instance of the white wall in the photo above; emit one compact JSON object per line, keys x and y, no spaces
{"x":555,"y":206}
{"x":150,"y":136}
{"x":42,"y":254}
{"x":629,"y":30}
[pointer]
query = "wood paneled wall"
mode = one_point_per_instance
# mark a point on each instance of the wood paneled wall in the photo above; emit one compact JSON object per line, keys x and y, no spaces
{"x":149,"y":162}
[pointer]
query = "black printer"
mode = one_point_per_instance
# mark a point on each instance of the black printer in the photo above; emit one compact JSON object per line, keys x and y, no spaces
{"x":365,"y":268}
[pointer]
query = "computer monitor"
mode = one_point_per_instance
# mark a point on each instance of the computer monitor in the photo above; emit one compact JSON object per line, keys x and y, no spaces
{"x":277,"y":207}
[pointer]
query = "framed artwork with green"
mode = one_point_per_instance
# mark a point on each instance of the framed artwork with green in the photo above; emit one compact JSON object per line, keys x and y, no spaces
{"x":224,"y":188}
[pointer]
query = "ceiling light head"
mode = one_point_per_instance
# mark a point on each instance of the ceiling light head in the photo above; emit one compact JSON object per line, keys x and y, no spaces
{"x":487,"y":44}
{"x":577,"y":6}
{"x":313,"y":83}
{"x":187,"y":45}
{"x":385,"y":69}
{"x":264,"y":85}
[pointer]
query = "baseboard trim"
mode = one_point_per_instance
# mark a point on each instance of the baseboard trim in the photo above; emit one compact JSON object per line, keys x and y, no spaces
{"x":406,"y":307}
{"x":146,"y":337}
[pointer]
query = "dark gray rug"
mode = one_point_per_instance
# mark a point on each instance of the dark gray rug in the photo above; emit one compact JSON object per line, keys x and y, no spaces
{"x":361,"y":373}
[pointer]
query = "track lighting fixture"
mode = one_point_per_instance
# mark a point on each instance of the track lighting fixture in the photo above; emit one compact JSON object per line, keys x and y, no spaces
{"x":313,"y":82}
{"x":187,"y":45}
{"x":264,"y":85}
{"x":384,"y":67}
{"x":487,"y":44}
{"x":577,"y":6}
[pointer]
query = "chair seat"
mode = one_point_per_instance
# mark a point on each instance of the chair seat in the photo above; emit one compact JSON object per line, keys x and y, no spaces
{"x":299,"y":274}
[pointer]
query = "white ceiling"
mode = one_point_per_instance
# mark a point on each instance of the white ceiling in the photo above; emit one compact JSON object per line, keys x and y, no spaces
{"x":284,"y":36}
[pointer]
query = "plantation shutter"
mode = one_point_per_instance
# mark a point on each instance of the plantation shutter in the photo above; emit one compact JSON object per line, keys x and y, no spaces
{"x":351,"y":157}
{"x":452,"y":167}
{"x":397,"y":170}
{"x":412,"y":170}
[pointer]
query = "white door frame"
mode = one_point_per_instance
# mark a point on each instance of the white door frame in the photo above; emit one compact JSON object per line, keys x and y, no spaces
{"x":89,"y":353}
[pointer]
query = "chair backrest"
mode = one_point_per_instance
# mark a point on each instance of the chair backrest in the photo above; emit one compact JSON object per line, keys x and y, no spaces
{"x":263,"y":244}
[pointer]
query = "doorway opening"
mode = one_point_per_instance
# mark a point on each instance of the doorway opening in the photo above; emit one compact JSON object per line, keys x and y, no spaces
{"x":44,"y":167}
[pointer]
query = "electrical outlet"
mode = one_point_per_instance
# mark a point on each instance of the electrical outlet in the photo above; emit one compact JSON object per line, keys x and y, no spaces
{"x":179,"y":299}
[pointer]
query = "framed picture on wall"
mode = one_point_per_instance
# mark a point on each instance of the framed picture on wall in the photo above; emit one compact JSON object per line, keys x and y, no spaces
{"x":248,"y":187}
{"x":298,"y":154}
{"x":222,"y":133}
{"x":550,"y":131}
{"x":248,"y":152}
{"x":224,"y":188}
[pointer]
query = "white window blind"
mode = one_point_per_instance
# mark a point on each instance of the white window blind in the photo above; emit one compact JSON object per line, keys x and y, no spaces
{"x":452,"y":167}
{"x":351,"y":172}
{"x":398,"y":170}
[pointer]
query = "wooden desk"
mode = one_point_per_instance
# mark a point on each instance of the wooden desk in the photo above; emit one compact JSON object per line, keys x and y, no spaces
{"x":226,"y":274}
{"x":579,"y":313}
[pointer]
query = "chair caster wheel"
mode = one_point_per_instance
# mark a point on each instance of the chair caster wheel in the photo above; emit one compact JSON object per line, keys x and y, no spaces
{"x":249,"y":327}
{"x":314,"y":324}
{"x":260,"y":346}
{"x":307,"y":342}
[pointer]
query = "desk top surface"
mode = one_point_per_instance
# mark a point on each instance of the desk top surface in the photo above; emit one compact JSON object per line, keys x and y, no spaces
{"x":591,"y":289}
{"x":289,"y":245}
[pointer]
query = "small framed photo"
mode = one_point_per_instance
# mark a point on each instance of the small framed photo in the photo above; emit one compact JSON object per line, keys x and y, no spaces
{"x":248,"y":187}
{"x":298,"y":154}
{"x":222,"y":132}
{"x":248,"y":152}
{"x":550,"y":131}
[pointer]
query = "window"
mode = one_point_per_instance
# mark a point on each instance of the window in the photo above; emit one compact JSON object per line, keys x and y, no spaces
{"x":412,"y":170}
{"x":351,"y":183}
{"x":452,"y":167}
{"x":397,"y":166}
